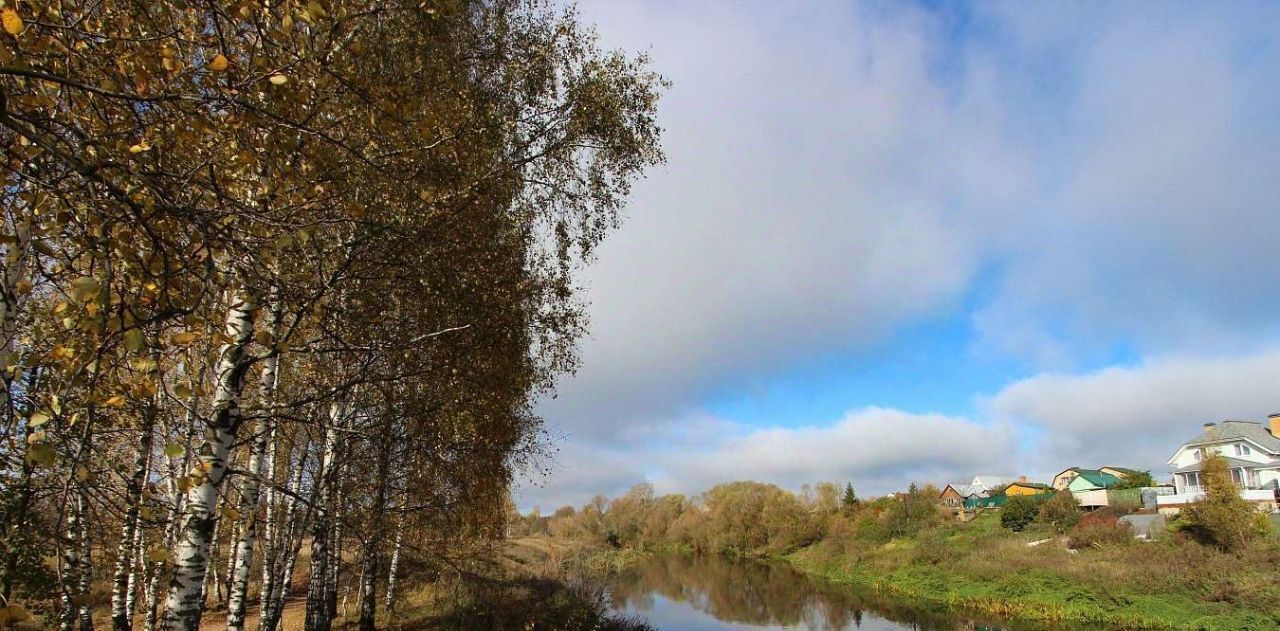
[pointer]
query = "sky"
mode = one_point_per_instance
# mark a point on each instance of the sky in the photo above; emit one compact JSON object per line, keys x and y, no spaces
{"x":915,"y":242}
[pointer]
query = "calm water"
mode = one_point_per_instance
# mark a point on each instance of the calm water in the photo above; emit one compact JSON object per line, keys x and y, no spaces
{"x":711,"y":593}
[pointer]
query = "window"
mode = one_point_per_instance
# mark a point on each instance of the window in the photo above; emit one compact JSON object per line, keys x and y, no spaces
{"x":1199,"y":455}
{"x":1243,"y":449}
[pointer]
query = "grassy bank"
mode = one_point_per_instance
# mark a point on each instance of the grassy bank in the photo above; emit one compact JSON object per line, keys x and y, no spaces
{"x":980,"y":567}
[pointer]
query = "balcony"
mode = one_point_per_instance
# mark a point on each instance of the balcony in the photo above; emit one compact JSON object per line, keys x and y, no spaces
{"x":1193,"y":494}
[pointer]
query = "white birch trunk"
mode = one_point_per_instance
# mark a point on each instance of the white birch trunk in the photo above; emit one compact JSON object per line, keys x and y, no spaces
{"x":319,"y":612}
{"x":122,"y":582}
{"x":86,"y":565}
{"x":394,"y":570}
{"x":184,"y":603}
{"x":156,"y":568}
{"x":139,"y":557}
{"x":276,"y":588}
{"x":250,"y":491}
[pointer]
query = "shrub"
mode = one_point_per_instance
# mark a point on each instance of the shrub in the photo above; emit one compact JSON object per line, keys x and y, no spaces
{"x":913,"y":512}
{"x":1099,"y":534}
{"x":1061,"y":512}
{"x":1223,"y":519}
{"x":1018,"y":512}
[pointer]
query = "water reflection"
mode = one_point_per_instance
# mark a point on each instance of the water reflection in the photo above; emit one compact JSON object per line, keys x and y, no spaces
{"x":712,"y":593}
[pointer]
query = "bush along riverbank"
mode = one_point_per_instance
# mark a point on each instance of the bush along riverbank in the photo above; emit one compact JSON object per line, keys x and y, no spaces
{"x":1045,"y":562}
{"x":982,"y":568}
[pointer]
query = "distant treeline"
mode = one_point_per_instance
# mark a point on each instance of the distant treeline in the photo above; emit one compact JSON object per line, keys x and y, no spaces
{"x":738,"y":518}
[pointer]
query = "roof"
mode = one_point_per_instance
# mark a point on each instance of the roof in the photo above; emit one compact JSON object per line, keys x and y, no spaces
{"x":1100,"y":479}
{"x":1124,"y":470}
{"x":1236,"y":430}
{"x":1232,"y":463}
{"x":992,"y":481}
{"x":965,"y":490}
{"x":1031,"y":485}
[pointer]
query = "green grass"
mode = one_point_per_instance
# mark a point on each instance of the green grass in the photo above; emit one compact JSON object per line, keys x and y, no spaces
{"x":982,"y":568}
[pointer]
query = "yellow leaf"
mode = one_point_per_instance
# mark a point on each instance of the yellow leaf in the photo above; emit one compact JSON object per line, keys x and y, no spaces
{"x":140,"y":147}
{"x":114,"y":401}
{"x":12,"y":21}
{"x":38,"y":419}
{"x":231,"y":513}
{"x":82,"y":473}
{"x":173,"y":450}
{"x":181,"y":391}
{"x":84,"y":288}
{"x":134,"y":339}
{"x":158,"y":555}
{"x":42,"y":454}
{"x":263,"y":338}
{"x":278,"y":79}
{"x":185,"y":338}
{"x":218,"y":63}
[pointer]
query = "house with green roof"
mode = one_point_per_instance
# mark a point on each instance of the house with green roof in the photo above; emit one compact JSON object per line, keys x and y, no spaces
{"x":1091,"y":480}
{"x":1063,"y":480}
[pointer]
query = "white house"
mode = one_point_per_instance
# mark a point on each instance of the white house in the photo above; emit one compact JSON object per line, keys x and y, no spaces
{"x":1252,"y":451}
{"x":984,"y":484}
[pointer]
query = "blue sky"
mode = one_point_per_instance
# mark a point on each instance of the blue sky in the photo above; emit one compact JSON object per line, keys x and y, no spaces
{"x":914,"y":242}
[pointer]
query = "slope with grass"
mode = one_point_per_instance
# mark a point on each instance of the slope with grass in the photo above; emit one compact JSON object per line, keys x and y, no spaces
{"x":979,"y":566}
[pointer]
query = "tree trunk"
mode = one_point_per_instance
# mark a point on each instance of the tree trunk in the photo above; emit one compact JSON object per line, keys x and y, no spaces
{"x":373,"y":538}
{"x":393,"y":574}
{"x":18,"y":533}
{"x":122,"y":582}
{"x":250,"y":491}
{"x":139,"y":562}
{"x":319,"y":611}
{"x":184,"y":603}
{"x":276,"y":585}
{"x":156,"y":567}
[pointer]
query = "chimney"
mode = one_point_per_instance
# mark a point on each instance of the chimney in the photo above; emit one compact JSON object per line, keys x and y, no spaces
{"x":1208,"y":427}
{"x":1023,"y":478}
{"x":1273,"y":424}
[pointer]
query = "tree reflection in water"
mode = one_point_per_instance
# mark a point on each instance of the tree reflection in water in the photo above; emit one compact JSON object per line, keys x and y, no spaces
{"x":765,"y":594}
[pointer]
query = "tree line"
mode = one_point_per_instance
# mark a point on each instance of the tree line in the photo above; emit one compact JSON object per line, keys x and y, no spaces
{"x":738,"y":518}
{"x":286,"y":273}
{"x":758,"y":519}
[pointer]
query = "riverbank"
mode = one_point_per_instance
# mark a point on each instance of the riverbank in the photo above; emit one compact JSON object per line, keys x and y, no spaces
{"x":982,"y":568}
{"x":986,"y":570}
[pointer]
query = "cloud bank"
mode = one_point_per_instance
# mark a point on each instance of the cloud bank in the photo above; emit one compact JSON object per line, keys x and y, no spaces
{"x":1072,"y":179}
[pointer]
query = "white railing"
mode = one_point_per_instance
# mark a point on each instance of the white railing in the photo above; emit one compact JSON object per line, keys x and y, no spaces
{"x":1192,"y":494}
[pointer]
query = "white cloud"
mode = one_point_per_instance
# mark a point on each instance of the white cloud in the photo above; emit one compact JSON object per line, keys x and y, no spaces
{"x":839,"y":171}
{"x":1138,"y":415}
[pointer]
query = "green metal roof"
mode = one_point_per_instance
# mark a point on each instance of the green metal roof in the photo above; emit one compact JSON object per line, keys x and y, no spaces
{"x":1099,"y":479}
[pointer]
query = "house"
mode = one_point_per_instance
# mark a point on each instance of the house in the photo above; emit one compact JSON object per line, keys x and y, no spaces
{"x":1089,"y":487}
{"x":1092,"y":480}
{"x":1063,"y":480}
{"x":988,"y":483}
{"x":1023,"y":487}
{"x":1252,"y":451}
{"x":955,"y":494}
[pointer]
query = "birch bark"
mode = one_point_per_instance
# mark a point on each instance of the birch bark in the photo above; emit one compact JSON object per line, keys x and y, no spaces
{"x":184,"y":603}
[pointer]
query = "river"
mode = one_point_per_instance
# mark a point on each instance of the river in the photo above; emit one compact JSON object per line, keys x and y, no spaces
{"x":713,"y":593}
